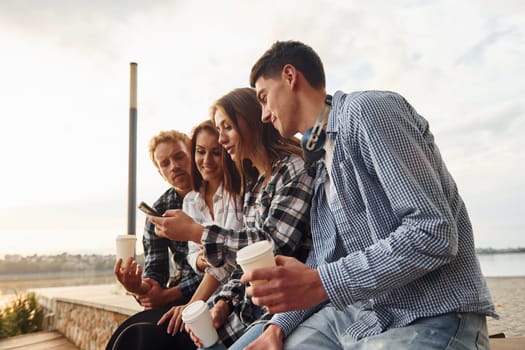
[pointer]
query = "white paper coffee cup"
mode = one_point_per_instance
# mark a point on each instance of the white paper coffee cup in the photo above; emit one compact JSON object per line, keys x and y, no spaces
{"x":125,"y":247}
{"x":198,"y":318}
{"x":255,"y":256}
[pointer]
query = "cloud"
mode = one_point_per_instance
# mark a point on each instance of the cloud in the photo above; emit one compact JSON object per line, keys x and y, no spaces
{"x":475,"y":55}
{"x":65,"y":76}
{"x":86,"y":29}
{"x":500,"y":120}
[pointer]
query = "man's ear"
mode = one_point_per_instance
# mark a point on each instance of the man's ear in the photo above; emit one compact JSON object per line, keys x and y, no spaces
{"x":289,"y":74}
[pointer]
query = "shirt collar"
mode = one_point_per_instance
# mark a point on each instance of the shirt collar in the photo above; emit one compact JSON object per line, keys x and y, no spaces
{"x":337,"y":101}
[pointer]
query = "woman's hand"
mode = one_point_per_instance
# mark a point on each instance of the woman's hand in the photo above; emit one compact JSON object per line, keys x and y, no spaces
{"x":201,"y":262}
{"x":219,"y":313}
{"x":177,"y":226}
{"x":175,"y":316}
{"x":194,"y":338}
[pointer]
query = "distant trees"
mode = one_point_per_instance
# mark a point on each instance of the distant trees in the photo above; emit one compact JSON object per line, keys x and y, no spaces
{"x":16,"y":264}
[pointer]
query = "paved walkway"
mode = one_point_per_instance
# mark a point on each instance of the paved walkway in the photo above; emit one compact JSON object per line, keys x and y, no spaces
{"x":38,"y":341}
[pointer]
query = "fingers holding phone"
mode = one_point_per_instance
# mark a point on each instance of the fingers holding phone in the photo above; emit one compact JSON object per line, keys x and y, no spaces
{"x":177,"y":225}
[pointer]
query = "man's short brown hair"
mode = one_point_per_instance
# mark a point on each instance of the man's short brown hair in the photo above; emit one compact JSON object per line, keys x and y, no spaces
{"x":299,"y":55}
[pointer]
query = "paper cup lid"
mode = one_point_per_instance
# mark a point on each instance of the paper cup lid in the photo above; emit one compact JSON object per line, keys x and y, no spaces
{"x":253,"y":251}
{"x":193,"y":310}
{"x":127,"y":237}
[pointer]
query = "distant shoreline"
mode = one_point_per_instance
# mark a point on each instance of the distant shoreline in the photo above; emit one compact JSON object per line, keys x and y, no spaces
{"x":486,"y":251}
{"x":54,"y":274}
{"x":11,"y":284}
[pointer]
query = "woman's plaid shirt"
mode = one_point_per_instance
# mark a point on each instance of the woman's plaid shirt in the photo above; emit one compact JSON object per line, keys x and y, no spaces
{"x":278,"y":211}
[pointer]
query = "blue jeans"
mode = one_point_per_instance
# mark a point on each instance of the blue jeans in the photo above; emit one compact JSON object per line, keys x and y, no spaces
{"x":326,"y":330}
{"x":249,"y":335}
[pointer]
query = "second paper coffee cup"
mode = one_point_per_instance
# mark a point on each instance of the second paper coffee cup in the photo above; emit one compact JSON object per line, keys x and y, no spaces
{"x":255,"y":256}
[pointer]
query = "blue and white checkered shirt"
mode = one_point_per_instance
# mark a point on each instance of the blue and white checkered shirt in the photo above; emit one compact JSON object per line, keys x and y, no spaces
{"x":394,"y":233}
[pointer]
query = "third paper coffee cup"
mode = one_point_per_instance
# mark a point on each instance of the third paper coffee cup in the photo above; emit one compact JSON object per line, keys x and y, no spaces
{"x":198,"y":318}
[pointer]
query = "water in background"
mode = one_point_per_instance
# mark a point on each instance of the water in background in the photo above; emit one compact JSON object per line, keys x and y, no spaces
{"x":502,"y":265}
{"x":11,"y":285}
{"x":492,"y":265}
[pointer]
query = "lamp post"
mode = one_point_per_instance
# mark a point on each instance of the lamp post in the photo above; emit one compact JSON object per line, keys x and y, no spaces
{"x":132,"y":160}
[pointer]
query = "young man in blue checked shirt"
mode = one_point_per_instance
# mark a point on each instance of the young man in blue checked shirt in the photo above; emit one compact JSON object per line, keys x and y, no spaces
{"x":393,"y":264}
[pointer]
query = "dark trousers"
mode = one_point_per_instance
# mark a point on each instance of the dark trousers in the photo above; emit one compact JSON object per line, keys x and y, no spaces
{"x":140,"y":332}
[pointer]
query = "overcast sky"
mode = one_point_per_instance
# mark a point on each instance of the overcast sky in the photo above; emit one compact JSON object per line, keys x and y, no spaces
{"x":64,"y":93}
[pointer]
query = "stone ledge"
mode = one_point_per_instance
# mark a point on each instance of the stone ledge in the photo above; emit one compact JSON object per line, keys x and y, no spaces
{"x":110,"y":297}
{"x":86,"y":315}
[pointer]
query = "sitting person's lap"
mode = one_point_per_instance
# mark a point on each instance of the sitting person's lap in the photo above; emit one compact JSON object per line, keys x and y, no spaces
{"x":327,"y":330}
{"x":139,"y":330}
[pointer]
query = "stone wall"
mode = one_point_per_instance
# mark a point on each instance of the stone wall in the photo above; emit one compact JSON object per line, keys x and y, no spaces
{"x":88,"y":325}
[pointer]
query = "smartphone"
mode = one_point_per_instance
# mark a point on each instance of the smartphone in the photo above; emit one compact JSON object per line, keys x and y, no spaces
{"x":147,"y":209}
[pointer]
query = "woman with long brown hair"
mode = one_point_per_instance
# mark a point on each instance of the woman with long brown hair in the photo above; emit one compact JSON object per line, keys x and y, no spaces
{"x":277,"y":193}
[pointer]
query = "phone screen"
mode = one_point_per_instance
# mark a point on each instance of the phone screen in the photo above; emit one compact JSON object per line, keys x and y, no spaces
{"x":147,"y":209}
